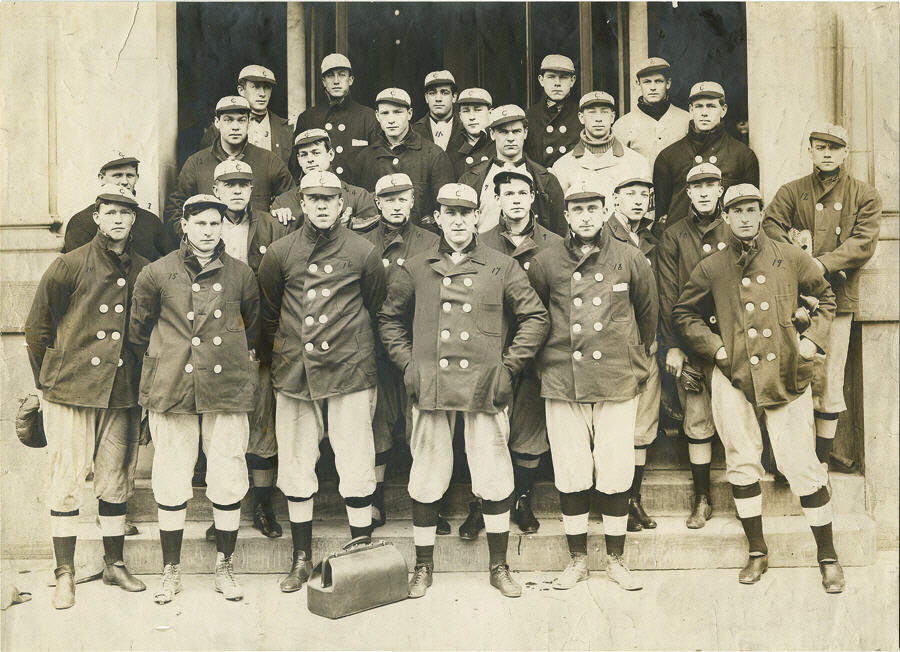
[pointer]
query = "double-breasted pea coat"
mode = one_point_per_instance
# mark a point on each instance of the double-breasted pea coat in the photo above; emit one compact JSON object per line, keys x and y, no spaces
{"x":281,"y":136}
{"x":552,"y":130}
{"x":359,"y":207}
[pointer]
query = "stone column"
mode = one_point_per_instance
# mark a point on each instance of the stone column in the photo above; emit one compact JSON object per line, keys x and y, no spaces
{"x":637,"y":46}
{"x":296,"y":60}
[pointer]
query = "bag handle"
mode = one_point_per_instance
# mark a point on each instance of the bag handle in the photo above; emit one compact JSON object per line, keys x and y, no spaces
{"x":365,"y":538}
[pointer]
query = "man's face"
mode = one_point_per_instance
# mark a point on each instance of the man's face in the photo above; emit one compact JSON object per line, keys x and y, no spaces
{"x":321,"y":210}
{"x":393,"y":118}
{"x":585,"y":216}
{"x":827,"y":156}
{"x":744,"y":218}
{"x":315,"y":157}
{"x":440,"y":99}
{"x":510,"y":138}
{"x":114,"y":220}
{"x":654,"y":87}
{"x":337,"y":82}
{"x":396,"y":206}
{"x":633,"y":201}
{"x":457,"y":223}
{"x":707,"y":113}
{"x":475,"y":118}
{"x":120,"y":175}
{"x":597,"y":120}
{"x":557,"y":85}
{"x":233,"y":126}
{"x":704,"y":194}
{"x":234,"y":192}
{"x":203,"y":230}
{"x":256,"y":93}
{"x":515,"y":199}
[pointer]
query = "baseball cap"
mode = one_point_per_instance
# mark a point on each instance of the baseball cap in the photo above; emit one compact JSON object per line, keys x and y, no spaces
{"x":583,"y":189}
{"x":653,"y":64}
{"x":558,"y":63}
{"x":457,"y":194}
{"x":507,"y":113}
{"x":505,"y":176}
{"x":707,"y":89}
{"x":335,"y":60}
{"x":396,"y":96}
{"x":115,"y":158}
{"x":204,"y":201}
{"x":631,"y":176}
{"x":831,"y":133}
{"x":391,"y":183}
{"x":320,"y":183}
{"x":118,"y":194}
{"x":232,"y":103}
{"x":703,"y":171}
{"x":232,"y":169}
{"x":257,"y":73}
{"x":594,"y":98}
{"x":475,"y":96}
{"x":312,"y":136}
{"x":439,"y":77}
{"x":741,"y":192}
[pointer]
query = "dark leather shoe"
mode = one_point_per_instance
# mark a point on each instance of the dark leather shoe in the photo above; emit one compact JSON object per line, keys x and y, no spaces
{"x":636,"y":512}
{"x":633,"y":525}
{"x":420,"y":580}
{"x":211,"y":533}
{"x":264,"y":520}
{"x":523,"y":516}
{"x":756,"y":566}
{"x":832,"y":576}
{"x":473,"y":524}
{"x":443,"y":526}
{"x":117,"y":574}
{"x":503,"y":581}
{"x":64,"y":593}
{"x":300,"y":572}
{"x":700,"y":513}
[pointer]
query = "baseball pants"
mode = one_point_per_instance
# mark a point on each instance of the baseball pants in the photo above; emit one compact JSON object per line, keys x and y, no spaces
{"x":80,"y":439}
{"x":791,"y":434}
{"x":592,"y":444}
{"x":223,"y":436}
{"x":527,"y":420}
{"x":262,"y":420}
{"x":828,"y":374}
{"x":299,"y":430}
{"x":646,"y":421}
{"x":487,"y":451}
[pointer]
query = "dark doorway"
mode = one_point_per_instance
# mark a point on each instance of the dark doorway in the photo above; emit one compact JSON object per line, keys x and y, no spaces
{"x":215,"y":40}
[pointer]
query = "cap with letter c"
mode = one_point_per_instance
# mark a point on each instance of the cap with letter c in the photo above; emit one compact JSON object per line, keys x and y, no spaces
{"x":507,"y":113}
{"x":335,"y":60}
{"x":439,"y":77}
{"x":741,"y":192}
{"x":116,"y":158}
{"x":596,"y":98}
{"x":231,"y":169}
{"x":111,"y":192}
{"x":202,"y":201}
{"x":320,"y":183}
{"x":457,"y":194}
{"x":558,"y":63}
{"x":702,"y":172}
{"x":831,"y":133}
{"x":653,"y":64}
{"x":396,"y":96}
{"x":475,"y":96}
{"x":257,"y":74}
{"x":232,"y":103}
{"x":633,"y":175}
{"x":312,"y":136}
{"x":707,"y":89}
{"x":391,"y":183}
{"x":583,"y":189}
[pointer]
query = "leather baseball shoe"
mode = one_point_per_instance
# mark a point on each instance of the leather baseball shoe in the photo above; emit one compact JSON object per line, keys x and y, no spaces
{"x":264,"y":520}
{"x":116,"y":574}
{"x":226,"y":583}
{"x":618,"y":572}
{"x":300,"y":572}
{"x":170,"y":585}
{"x":503,"y":581}
{"x":443,"y":526}
{"x":700,"y":514}
{"x":753,"y":571}
{"x":523,"y":516}
{"x":576,"y":571}
{"x":474,"y":522}
{"x":832,"y":576}
{"x":64,"y":593}
{"x":420,"y":580}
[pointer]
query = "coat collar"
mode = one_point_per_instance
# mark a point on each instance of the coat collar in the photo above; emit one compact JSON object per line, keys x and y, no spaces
{"x":190,"y":259}
{"x":617,"y":150}
{"x":822,"y":188}
{"x":388,"y":235}
{"x":412,"y":140}
{"x":440,"y":261}
{"x":747,"y":251}
{"x":622,"y":232}
{"x":100,"y":244}
{"x":220,"y":153}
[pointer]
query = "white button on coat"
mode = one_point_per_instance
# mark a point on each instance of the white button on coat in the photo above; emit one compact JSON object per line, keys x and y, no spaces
{"x":577,"y":302}
{"x":190,"y":316}
{"x":745,"y":281}
{"x":761,"y":279}
{"x":216,"y":313}
{"x":576,"y":276}
{"x":309,"y":346}
{"x":576,"y":328}
{"x":217,"y":287}
{"x":467,"y":282}
{"x":326,"y":292}
{"x":764,"y":305}
{"x":596,"y":355}
{"x":446,"y":281}
{"x":577,"y":355}
{"x":598,"y":326}
{"x":770,"y":356}
{"x":188,"y":368}
{"x":596,"y":301}
{"x":119,"y":308}
{"x":444,"y":363}
{"x":328,"y":269}
{"x":310,"y":320}
{"x":767,"y":332}
{"x":445,"y":334}
{"x":195,"y":341}
{"x":313,"y":268}
{"x":754,"y":360}
{"x":95,"y":361}
{"x":464,"y":363}
{"x":749,"y":307}
{"x":598,"y":277}
{"x":464,"y":336}
{"x":217,"y":369}
{"x":325,"y":346}
{"x":116,"y":335}
{"x":445,"y":306}
{"x":101,"y":335}
{"x":467,"y":307}
{"x":707,"y":247}
{"x":752,"y":332}
{"x":217,"y":340}
{"x":104,"y":308}
{"x":121,"y":282}
{"x":195,"y":287}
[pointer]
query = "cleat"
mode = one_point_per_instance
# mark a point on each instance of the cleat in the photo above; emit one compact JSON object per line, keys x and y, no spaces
{"x":301,"y":569}
{"x":171,"y":584}
{"x":226,"y":584}
{"x":576,"y":571}
{"x":64,"y":593}
{"x":618,"y":572}
{"x":420,"y":580}
{"x":264,"y":520}
{"x":636,"y":512}
{"x":753,"y":571}
{"x":523,"y":516}
{"x":503,"y":581}
{"x":117,"y":574}
{"x":700,"y":514}
{"x":474,"y":522}
{"x":832,"y":576}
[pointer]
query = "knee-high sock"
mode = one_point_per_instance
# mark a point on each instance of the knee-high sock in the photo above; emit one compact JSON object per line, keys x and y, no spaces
{"x":300,"y":513}
{"x":817,"y":509}
{"x":262,"y":473}
{"x":748,"y":502}
{"x":826,"y":427}
{"x":64,"y":527}
{"x":496,"y":525}
{"x":378,"y":497}
{"x":640,"y":461}
{"x":171,"y":531}
{"x":524,"y":478}
{"x":575,"y":509}
{"x":424,"y":530}
{"x":227,"y":519}
{"x":700,"y":453}
{"x":614,"y":508}
{"x":112,"y":526}
{"x":359,"y":515}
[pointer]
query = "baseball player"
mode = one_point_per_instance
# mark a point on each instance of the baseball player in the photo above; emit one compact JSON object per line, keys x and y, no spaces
{"x":837,"y":218}
{"x":519,"y":236}
{"x":476,"y":145}
{"x":701,"y":234}
{"x":270,"y":175}
{"x":461,"y":321}
{"x":601,"y":296}
{"x":632,"y":223}
{"x":314,"y":153}
{"x":266,"y":128}
{"x":762,"y":364}
{"x":196,"y":314}
{"x":598,"y":154}
{"x":148,"y":234}
{"x":400,"y":148}
{"x":350,"y":125}
{"x":509,"y":129}
{"x":397,"y":240}
{"x":321,"y":286}
{"x":554,"y":118}
{"x":86,"y":379}
{"x":705,"y":142}
{"x":656,"y":123}
{"x":440,"y":125}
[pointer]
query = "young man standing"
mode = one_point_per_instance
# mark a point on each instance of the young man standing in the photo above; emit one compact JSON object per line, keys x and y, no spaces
{"x":270,"y":175}
{"x":461,"y":321}
{"x":554,"y":118}
{"x":266,"y":128}
{"x":601,"y":297}
{"x":632,"y":223}
{"x":440,"y":125}
{"x":519,"y":236}
{"x":196,"y":314}
{"x":762,"y":364}
{"x":476,"y":145}
{"x":705,"y":142}
{"x":598,"y":154}
{"x":321,"y":286}
{"x":656,"y":123}
{"x":841,"y":217}
{"x":149,"y":237}
{"x":509,"y":129}
{"x":86,"y":377}
{"x":680,"y":248}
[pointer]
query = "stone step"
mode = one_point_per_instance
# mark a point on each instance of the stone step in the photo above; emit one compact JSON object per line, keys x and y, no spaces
{"x":721,"y":544}
{"x":664,"y":493}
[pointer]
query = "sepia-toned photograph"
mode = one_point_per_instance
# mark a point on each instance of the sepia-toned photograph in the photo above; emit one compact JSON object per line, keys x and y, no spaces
{"x":521,"y":326}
